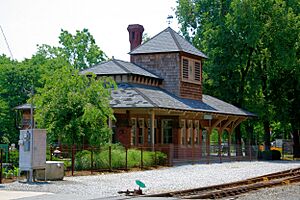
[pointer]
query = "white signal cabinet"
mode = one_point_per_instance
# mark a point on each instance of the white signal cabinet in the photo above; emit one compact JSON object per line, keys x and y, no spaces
{"x":32,"y":145}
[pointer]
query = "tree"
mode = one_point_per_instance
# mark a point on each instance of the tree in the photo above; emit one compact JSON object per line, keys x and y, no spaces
{"x":249,"y":44}
{"x":80,"y":50}
{"x":217,"y":27}
{"x":13,"y":79}
{"x":4,"y":122}
{"x":285,"y":71}
{"x":17,"y":78}
{"x":74,"y":108}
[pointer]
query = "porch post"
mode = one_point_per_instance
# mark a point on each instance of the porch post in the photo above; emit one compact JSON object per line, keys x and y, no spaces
{"x":229,"y":144}
{"x":193,"y":144}
{"x":208,"y":146}
{"x":152,"y":129}
{"x":200,"y":141}
{"x":220,"y":144}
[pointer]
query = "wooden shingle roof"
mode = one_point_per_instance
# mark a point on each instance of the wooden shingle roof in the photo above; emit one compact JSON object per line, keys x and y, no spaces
{"x":119,"y":67}
{"x":167,"y":41}
{"x":129,"y":96}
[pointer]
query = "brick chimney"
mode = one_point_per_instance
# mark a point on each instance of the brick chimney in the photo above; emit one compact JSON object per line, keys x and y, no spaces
{"x":135,"y":35}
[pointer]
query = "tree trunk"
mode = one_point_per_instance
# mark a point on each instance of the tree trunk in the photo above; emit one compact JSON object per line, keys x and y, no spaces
{"x":238,"y":141}
{"x":267,"y":136}
{"x":296,"y":145}
{"x":249,"y":142}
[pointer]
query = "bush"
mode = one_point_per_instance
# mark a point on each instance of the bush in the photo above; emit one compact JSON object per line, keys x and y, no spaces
{"x":83,"y":160}
{"x":276,"y":155}
{"x":9,"y":172}
{"x":269,"y":155}
{"x":14,"y":158}
{"x":118,"y":158}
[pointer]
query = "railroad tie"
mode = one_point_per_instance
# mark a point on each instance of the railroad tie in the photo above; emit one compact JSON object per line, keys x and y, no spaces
{"x":265,"y":179}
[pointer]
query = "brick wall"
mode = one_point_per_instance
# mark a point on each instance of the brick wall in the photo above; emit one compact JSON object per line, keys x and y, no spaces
{"x":190,"y":90}
{"x":165,"y":65}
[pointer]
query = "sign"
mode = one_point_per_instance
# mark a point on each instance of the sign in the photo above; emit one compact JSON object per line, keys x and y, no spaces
{"x":140,"y":184}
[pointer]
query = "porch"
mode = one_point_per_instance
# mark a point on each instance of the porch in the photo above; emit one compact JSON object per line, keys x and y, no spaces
{"x":185,"y":135}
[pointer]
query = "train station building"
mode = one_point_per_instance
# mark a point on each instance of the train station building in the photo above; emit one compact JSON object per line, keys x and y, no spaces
{"x":159,"y":100}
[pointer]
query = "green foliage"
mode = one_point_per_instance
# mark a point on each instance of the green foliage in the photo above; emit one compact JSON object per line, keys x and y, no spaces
{"x":118,"y":155}
{"x":14,"y":78}
{"x":83,"y":160}
{"x":74,"y":107}
{"x":79,"y":50}
{"x":14,"y":157}
{"x":253,"y":50}
{"x":10,"y":172}
{"x":17,"y":79}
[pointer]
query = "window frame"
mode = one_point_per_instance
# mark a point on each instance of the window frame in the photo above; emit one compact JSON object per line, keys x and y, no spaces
{"x":197,"y":132}
{"x":169,"y":138}
{"x":190,"y":132}
{"x":182,"y":132}
{"x":133,"y":131}
{"x":141,"y":131}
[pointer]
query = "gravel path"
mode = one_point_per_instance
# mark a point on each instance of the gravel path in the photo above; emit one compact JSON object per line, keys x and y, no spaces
{"x":160,"y":180}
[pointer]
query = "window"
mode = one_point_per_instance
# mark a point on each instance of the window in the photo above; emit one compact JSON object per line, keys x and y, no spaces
{"x":190,"y":132}
{"x":191,"y":70}
{"x":141,"y":131}
{"x":196,"y":136}
{"x":133,"y":131}
{"x":182,"y":131}
{"x":166,"y":131}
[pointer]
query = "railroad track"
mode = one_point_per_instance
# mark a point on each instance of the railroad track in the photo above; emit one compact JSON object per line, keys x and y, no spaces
{"x":236,"y":188}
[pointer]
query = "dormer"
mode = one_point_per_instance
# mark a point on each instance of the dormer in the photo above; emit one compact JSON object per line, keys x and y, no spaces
{"x":124,"y":72}
{"x":175,"y":60}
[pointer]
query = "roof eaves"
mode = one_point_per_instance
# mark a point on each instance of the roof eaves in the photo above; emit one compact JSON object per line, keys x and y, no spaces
{"x":204,"y":56}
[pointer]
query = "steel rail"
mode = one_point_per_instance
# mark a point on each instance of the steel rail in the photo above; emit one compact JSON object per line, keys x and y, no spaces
{"x":235,"y":188}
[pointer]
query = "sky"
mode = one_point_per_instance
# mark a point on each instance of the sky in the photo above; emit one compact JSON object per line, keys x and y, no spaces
{"x":27,"y":23}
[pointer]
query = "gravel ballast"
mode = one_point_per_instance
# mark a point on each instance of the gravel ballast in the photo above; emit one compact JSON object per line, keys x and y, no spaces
{"x":159,"y":180}
{"x":288,"y":192}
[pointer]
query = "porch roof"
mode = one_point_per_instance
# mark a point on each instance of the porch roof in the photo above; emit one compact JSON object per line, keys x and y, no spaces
{"x":130,"y":96}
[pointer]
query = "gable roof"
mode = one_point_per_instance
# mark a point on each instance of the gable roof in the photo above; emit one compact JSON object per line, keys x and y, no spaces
{"x":167,"y":41}
{"x":118,"y":67}
{"x":26,"y":106}
{"x":142,"y":96}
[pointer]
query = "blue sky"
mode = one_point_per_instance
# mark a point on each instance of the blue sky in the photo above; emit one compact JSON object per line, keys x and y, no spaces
{"x":27,"y":23}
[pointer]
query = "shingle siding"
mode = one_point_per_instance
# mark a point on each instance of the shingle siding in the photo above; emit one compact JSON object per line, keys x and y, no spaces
{"x":190,"y":90}
{"x":165,"y":65}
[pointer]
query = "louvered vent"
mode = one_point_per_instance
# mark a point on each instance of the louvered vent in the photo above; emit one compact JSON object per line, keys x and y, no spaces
{"x":197,"y":71}
{"x":185,"y":70}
